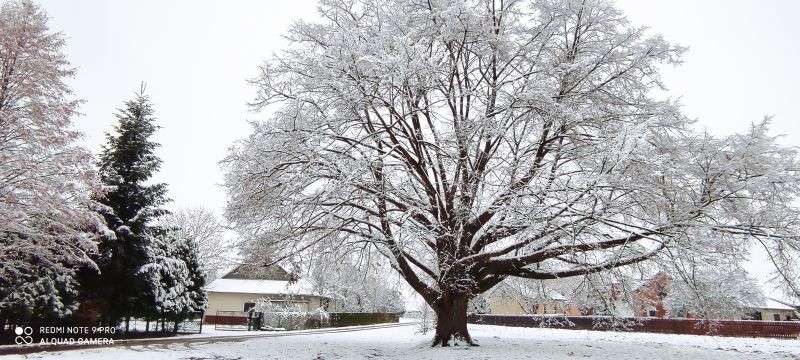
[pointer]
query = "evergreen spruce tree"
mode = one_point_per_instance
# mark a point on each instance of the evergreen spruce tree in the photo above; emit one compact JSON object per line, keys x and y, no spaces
{"x":188,"y":252}
{"x":126,"y":163}
{"x":175,"y":277}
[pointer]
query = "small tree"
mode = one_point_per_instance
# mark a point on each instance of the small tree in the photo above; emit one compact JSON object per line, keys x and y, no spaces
{"x":425,"y":320}
{"x":174,"y":277}
{"x":289,"y":316}
{"x":48,"y":220}
{"x":356,"y":286}
{"x":608,"y":294}
{"x":205,"y":231}
{"x":127,"y":162}
{"x":480,"y":304}
{"x":472,"y":141}
{"x":712,"y":291}
{"x":187,"y":252}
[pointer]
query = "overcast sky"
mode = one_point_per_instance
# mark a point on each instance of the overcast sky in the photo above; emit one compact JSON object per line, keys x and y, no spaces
{"x":197,"y":55}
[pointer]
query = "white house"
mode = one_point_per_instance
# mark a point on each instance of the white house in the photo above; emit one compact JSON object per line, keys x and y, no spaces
{"x":238,"y":291}
{"x":774,"y":310}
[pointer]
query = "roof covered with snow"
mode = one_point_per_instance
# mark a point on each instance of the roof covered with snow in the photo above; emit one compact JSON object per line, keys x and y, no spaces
{"x":265,"y":287}
{"x":553,"y":295}
{"x":772,"y":304}
{"x":261,"y":277}
{"x":259,"y":270}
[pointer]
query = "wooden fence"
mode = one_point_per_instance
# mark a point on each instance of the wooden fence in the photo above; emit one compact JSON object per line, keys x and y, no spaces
{"x":734,"y":328}
{"x":230,"y":320}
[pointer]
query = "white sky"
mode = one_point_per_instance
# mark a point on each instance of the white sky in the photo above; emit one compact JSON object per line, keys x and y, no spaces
{"x":196,"y":56}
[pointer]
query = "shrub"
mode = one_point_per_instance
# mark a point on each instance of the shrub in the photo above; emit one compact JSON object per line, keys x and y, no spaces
{"x":289,"y":316}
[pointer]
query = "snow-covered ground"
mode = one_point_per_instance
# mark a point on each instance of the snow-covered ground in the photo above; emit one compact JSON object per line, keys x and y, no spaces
{"x":496,"y":343}
{"x":212,"y":331}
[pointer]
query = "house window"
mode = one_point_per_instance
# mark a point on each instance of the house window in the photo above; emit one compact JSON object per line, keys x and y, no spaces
{"x":776,"y":317}
{"x":651,"y":312}
{"x":249,"y":306}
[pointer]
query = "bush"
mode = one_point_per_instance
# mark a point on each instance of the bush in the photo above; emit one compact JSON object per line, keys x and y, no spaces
{"x":291,"y":317}
{"x":356,"y":319}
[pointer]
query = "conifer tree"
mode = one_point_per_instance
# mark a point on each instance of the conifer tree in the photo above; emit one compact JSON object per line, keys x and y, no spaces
{"x":189,"y":253}
{"x":127,"y":162}
{"x":174,"y":277}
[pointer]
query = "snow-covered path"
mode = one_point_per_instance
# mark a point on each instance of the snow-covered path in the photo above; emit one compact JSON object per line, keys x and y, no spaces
{"x":496,"y":343}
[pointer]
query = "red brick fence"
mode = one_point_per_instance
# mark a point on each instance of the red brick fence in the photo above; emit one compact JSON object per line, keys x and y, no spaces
{"x":735,"y":328}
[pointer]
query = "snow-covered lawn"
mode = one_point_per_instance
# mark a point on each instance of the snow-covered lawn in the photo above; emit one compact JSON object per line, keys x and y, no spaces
{"x":496,"y":343}
{"x":212,"y":331}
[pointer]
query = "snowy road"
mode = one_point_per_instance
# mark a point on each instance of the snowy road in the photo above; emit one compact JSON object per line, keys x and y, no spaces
{"x":186,"y":340}
{"x":496,"y":343}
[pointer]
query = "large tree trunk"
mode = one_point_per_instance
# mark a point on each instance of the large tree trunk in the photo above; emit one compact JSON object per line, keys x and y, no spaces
{"x":451,"y":321}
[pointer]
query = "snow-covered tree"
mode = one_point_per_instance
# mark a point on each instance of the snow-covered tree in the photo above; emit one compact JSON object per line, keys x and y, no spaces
{"x":424,"y":317}
{"x":127,"y":163}
{"x":289,"y":316}
{"x":472,"y":141}
{"x":174,"y":277}
{"x":207,"y":234}
{"x":480,"y":304}
{"x":718,"y":289}
{"x":48,"y":220}
{"x":356,"y":286}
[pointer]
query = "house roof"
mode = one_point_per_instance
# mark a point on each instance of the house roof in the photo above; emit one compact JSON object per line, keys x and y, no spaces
{"x":552,"y":295}
{"x":786,"y":302}
{"x":255,"y":277}
{"x":773,"y":304}
{"x":254,"y":270}
{"x":543,"y":292}
{"x":265,"y":287}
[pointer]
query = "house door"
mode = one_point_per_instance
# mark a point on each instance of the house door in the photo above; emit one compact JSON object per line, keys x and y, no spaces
{"x":248,"y":306}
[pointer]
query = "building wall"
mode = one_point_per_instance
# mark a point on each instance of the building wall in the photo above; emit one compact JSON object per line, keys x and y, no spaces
{"x":769,"y":314}
{"x":650,"y":297}
{"x":235,"y":301}
{"x":502,"y":306}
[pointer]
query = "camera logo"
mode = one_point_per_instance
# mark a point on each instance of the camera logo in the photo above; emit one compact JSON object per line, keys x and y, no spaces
{"x":23,"y":335}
